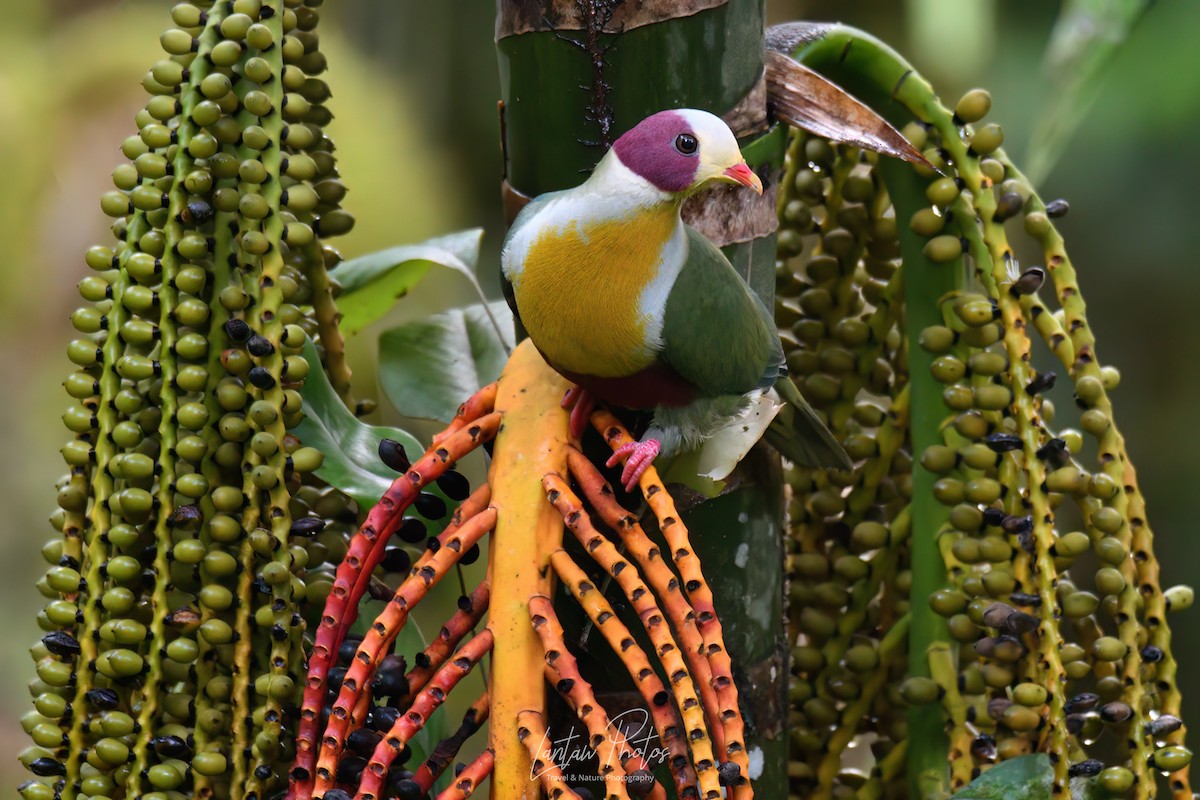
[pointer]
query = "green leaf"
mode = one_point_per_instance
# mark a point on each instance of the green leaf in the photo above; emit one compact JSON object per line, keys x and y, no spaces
{"x":1085,"y":38}
{"x":351,"y":447}
{"x":372,"y":283}
{"x":428,"y":367}
{"x":1024,"y":778}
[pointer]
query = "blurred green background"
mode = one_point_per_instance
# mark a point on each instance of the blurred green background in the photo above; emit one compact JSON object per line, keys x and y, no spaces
{"x":415,"y":102}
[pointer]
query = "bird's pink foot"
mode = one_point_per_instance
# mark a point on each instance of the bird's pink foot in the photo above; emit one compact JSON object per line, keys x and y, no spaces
{"x":638,"y":458}
{"x":581,"y":404}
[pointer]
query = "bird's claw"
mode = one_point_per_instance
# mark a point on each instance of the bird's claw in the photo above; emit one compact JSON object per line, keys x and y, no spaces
{"x":638,"y":458}
{"x":581,"y":403}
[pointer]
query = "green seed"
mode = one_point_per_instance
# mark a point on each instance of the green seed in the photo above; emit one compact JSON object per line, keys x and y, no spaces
{"x":948,"y":602}
{"x":993,"y":397}
{"x":1080,"y":604}
{"x":943,"y":191}
{"x":987,"y":138}
{"x":1116,"y":780}
{"x":927,"y":222}
{"x":1072,"y":545}
{"x":1030,"y":694}
{"x":1109,"y":648}
{"x":112,"y":752}
{"x":1179,"y":598}
{"x":1020,"y":718}
{"x":920,"y":691}
{"x":1107,"y":520}
{"x":1172,"y":759}
{"x":209,"y":764}
{"x":973,"y":106}
{"x":937,"y":339}
{"x":947,"y":369}
{"x":943,"y":249}
{"x":939,"y":459}
{"x":1109,"y":581}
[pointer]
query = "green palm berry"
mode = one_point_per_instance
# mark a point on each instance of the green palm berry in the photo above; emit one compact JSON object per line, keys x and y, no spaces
{"x":225,"y":529}
{"x":301,"y":199}
{"x":231,"y":396}
{"x":189,"y":551}
{"x":958,"y":397}
{"x":1020,"y":718}
{"x":1080,"y":604}
{"x":1172,"y":759}
{"x":164,"y":776}
{"x":255,"y":243}
{"x":202,"y":145}
{"x":1107,"y":520}
{"x":940,"y":249}
{"x":1179,"y":598}
{"x":227,"y":499}
{"x":947,"y":369}
{"x":226,"y":53}
{"x":948,"y":602}
{"x":264,"y":477}
{"x":966,"y":518}
{"x":191,"y":346}
{"x":993,"y":397}
{"x":987,"y":363}
{"x":943,"y":191}
{"x":111,"y":752}
{"x":62,"y":612}
{"x":233,"y":428}
{"x":192,"y":378}
{"x":263,"y":414}
{"x":1102,"y":486}
{"x":987,"y":139}
{"x":63,"y":579}
{"x":939,"y":459}
{"x":980,"y":456}
{"x":183,"y":650}
{"x":920,"y":691}
{"x":984,"y":491}
{"x":1110,"y":550}
{"x":1109,"y":648}
{"x":219,"y":564}
{"x":192,"y":485}
{"x":216,"y":632}
{"x":1116,"y":780}
{"x":119,"y":663}
{"x":1094,"y":421}
{"x":1037,"y":224}
{"x":973,"y":106}
{"x":1066,"y":480}
{"x":217,"y":598}
{"x":309,"y":459}
{"x":259,"y":37}
{"x":253,"y":206}
{"x":1072,"y":545}
{"x":1109,"y":581}
{"x":209,"y":764}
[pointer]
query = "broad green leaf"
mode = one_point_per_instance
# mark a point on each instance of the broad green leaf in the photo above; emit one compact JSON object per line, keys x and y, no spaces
{"x":1023,"y":778}
{"x":372,"y":283}
{"x":428,"y":367}
{"x":351,"y":447}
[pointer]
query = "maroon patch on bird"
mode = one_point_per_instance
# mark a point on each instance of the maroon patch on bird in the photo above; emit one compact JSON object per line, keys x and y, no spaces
{"x":649,"y":151}
{"x":657,"y":385}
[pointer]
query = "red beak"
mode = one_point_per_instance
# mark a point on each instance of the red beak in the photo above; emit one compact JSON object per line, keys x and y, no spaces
{"x":741,"y":173}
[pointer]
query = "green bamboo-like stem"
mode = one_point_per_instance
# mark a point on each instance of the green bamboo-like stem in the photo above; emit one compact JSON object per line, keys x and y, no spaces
{"x":925,"y":284}
{"x":877,"y":75}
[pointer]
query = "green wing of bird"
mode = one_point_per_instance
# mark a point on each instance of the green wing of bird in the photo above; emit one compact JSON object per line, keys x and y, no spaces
{"x":718,"y":335}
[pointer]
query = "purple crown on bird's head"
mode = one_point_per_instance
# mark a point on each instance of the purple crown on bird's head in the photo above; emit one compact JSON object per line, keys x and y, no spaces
{"x":681,"y":150}
{"x":651,"y":150}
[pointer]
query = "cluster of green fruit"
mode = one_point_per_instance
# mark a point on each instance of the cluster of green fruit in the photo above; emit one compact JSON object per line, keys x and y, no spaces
{"x":190,"y":516}
{"x":1014,"y":555}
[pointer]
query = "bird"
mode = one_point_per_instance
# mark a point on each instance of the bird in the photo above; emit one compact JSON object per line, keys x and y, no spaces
{"x":641,"y":311}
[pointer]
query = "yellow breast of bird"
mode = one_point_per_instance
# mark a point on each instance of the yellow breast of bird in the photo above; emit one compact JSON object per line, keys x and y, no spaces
{"x":581,"y":288}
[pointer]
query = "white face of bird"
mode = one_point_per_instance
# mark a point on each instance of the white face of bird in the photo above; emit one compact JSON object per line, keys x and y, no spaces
{"x":680,"y":151}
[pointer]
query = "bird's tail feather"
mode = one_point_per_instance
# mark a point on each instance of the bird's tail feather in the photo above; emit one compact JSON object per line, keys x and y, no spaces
{"x":798,"y":433}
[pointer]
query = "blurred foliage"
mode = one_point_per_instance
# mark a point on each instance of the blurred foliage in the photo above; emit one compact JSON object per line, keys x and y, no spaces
{"x":415,"y":87}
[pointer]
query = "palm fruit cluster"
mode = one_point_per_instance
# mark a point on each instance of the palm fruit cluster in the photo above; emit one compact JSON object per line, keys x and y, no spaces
{"x":189,"y":518}
{"x":1000,"y":546}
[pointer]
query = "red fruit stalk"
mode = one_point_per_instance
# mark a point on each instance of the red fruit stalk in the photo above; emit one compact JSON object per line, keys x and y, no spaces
{"x":469,"y":779}
{"x":407,"y":726}
{"x":353,"y":574}
{"x":698,"y":591}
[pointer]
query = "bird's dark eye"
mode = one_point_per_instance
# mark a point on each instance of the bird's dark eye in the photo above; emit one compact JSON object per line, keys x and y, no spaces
{"x":686,"y":144}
